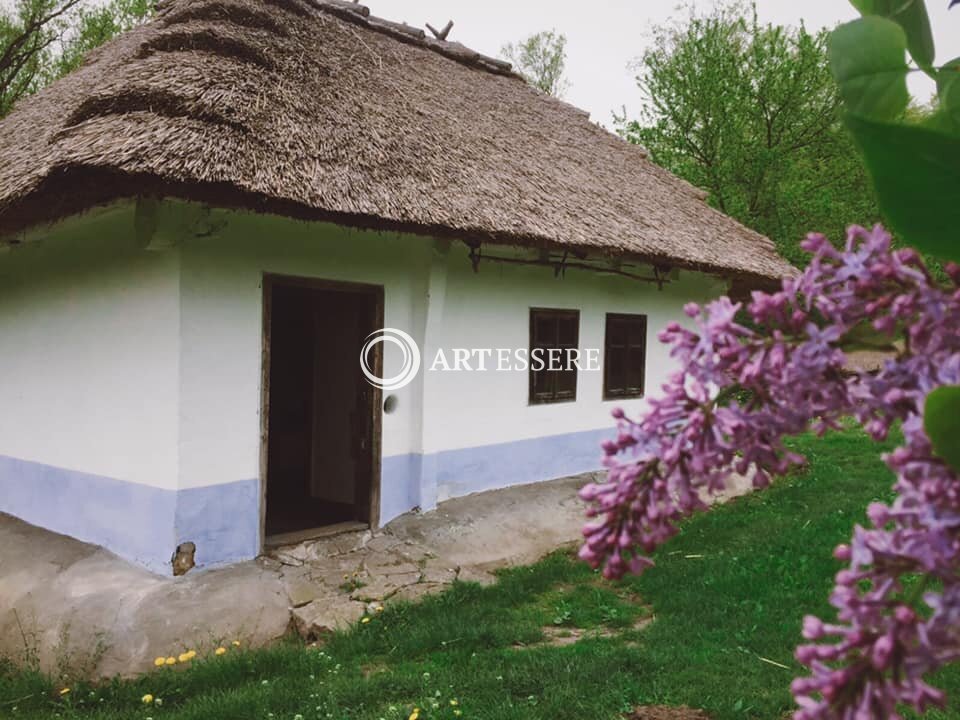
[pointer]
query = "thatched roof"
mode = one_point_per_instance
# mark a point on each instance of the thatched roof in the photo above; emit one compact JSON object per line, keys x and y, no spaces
{"x":313,"y":109}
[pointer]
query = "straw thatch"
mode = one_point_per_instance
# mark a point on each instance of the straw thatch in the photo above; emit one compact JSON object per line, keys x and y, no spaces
{"x":316,"y":110}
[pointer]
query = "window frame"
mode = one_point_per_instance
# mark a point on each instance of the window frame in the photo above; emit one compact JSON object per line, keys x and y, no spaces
{"x":626,"y":393}
{"x":557,"y":313}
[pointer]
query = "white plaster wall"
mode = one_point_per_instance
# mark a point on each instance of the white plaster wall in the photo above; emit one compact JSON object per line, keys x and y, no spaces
{"x":146,"y":365}
{"x":221,"y":306}
{"x":221,"y":341}
{"x":491,"y":309}
{"x":89,"y":336}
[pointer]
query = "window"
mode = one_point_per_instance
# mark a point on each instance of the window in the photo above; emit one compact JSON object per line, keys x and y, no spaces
{"x":553,"y":330}
{"x":625,"y":354}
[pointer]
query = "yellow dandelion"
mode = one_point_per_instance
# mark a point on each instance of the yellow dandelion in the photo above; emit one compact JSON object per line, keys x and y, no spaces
{"x":171,"y":660}
{"x":415,"y":714}
{"x":159,"y":662}
{"x":454,"y":702}
{"x":365,"y":620}
{"x":183,"y":657}
{"x":147,"y":699}
{"x":65,"y":691}
{"x":191,"y":654}
{"x":220,"y":651}
{"x":379,"y":608}
{"x":236,"y":643}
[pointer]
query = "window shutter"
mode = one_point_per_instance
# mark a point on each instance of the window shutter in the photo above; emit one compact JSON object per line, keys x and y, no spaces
{"x":553,"y":330}
{"x":625,"y":350}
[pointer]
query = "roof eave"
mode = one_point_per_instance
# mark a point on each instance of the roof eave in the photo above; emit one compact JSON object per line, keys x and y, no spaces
{"x":57,"y":197}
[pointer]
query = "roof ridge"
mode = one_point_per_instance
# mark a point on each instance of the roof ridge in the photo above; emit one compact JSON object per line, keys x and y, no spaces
{"x":359,"y":14}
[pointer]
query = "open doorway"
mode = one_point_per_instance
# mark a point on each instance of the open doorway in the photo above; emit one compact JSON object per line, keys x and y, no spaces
{"x":322,"y":419}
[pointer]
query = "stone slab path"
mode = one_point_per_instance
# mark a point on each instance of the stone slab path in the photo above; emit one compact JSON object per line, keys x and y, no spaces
{"x":73,"y":604}
{"x":333,"y":582}
{"x":76,"y":605}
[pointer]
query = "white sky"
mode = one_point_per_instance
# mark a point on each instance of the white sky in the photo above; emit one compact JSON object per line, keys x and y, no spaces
{"x":603,"y":36}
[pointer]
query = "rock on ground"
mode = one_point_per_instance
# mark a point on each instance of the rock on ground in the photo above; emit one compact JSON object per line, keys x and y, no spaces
{"x":320,"y":618}
{"x":73,"y":604}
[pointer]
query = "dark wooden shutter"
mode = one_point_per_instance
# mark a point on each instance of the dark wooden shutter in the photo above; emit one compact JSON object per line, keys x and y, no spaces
{"x":625,"y":350}
{"x":553,"y":329}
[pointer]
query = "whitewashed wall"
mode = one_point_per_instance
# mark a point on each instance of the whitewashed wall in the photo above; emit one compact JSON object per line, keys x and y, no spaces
{"x":89,"y":336}
{"x":491,"y":308}
{"x":452,"y":433}
{"x":132,"y":387}
{"x":221,"y":359}
{"x":222,"y":294}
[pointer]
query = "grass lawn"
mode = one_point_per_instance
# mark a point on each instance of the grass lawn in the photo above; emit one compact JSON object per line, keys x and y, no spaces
{"x":728,"y":595}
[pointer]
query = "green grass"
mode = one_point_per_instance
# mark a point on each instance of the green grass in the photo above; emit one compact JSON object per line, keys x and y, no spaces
{"x":728,"y":595}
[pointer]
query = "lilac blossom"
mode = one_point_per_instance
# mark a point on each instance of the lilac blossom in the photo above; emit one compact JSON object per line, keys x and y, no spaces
{"x":742,"y":390}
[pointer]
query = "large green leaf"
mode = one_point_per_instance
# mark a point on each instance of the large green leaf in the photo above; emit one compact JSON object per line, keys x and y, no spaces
{"x":948,"y":93}
{"x":941,"y":421}
{"x":868,"y":59}
{"x":916,"y":173}
{"x":911,"y":15}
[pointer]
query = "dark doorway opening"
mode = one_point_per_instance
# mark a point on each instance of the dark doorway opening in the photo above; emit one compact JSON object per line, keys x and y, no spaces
{"x":322,"y":416}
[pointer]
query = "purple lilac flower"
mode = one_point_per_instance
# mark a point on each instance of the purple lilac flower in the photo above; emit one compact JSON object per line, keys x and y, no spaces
{"x":898,"y":601}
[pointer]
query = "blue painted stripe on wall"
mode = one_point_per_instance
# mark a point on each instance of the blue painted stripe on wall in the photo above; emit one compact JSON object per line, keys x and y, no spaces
{"x":399,"y":485}
{"x":144,"y":524}
{"x":139,"y":523}
{"x":487,"y":467}
{"x":223,"y":521}
{"x":134,"y":521}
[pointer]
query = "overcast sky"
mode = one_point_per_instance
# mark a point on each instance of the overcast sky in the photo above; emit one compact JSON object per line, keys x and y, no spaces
{"x":603,"y":36}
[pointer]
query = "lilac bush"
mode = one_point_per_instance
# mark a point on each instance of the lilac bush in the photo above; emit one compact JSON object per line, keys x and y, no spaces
{"x":742,"y":390}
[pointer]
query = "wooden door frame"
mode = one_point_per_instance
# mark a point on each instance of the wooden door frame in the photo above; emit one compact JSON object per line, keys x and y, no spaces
{"x":270,"y":281}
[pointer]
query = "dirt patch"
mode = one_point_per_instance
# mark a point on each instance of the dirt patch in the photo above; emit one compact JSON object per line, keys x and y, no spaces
{"x":374,"y":669}
{"x":665,"y":712}
{"x":561,"y":636}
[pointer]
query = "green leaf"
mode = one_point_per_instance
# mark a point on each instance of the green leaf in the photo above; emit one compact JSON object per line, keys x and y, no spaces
{"x":948,"y":93}
{"x":911,"y":15}
{"x":867,"y":57}
{"x":941,"y":421}
{"x":949,"y":105}
{"x":916,"y":174}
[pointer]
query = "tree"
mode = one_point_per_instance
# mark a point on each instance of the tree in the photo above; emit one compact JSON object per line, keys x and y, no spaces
{"x":27,"y":35}
{"x":541,"y":59}
{"x":97,"y":24}
{"x":41,"y":40}
{"x":750,"y":113}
